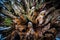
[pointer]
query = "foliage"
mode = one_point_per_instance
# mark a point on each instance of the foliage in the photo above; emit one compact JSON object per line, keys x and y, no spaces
{"x":7,"y":21}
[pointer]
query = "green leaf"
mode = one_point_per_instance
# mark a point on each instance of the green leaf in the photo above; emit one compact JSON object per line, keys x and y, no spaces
{"x":7,"y":21}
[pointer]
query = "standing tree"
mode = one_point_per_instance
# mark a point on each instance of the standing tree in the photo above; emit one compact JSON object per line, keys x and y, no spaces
{"x":32,"y":19}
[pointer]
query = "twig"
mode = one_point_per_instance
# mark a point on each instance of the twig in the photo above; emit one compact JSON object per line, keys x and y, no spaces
{"x":8,"y":13}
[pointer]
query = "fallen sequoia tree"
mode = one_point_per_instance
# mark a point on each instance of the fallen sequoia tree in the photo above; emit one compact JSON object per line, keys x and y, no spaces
{"x":32,"y":19}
